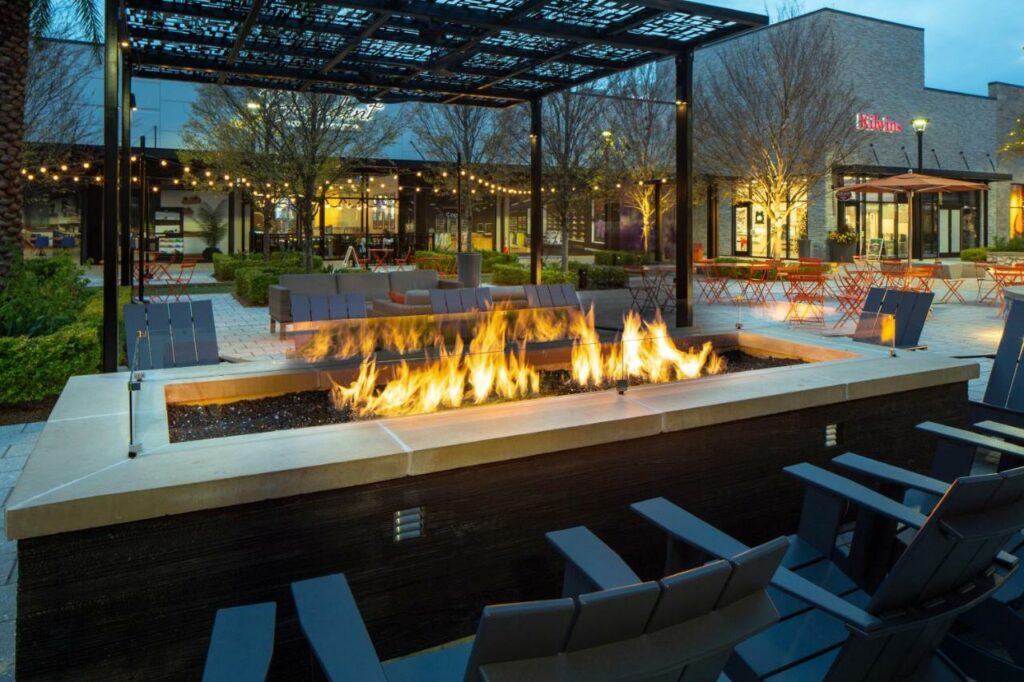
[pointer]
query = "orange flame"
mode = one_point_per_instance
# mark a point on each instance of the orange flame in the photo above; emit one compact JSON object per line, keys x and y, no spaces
{"x":485,"y":370}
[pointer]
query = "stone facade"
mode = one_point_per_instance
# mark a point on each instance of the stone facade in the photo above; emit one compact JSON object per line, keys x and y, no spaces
{"x":885,"y":68}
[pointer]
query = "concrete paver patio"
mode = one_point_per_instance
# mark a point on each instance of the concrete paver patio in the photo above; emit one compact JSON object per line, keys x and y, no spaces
{"x":970,"y":330}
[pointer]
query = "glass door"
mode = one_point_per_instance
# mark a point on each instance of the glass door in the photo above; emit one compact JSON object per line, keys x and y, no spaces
{"x":741,"y":229}
{"x":949,"y":231}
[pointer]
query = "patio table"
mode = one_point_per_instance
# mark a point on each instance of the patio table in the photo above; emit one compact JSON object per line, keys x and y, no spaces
{"x":663,"y":288}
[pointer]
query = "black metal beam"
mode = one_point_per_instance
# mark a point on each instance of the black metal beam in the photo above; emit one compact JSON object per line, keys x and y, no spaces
{"x":110,"y":77}
{"x":684,"y":189}
{"x":125,"y":189}
{"x":747,"y":19}
{"x":536,"y":200}
{"x":243,"y":33}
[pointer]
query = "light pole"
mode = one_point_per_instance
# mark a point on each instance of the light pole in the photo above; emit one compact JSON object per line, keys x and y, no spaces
{"x":915,"y":244}
{"x":920,"y":124}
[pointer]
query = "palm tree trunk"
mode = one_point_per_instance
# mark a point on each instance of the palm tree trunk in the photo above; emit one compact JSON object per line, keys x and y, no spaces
{"x":13,"y":72}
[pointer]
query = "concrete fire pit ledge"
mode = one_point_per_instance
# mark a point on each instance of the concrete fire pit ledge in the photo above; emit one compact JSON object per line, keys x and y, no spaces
{"x":79,"y":475}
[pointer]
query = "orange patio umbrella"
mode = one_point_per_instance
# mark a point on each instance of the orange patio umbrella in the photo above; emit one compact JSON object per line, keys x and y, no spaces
{"x":913,"y":184}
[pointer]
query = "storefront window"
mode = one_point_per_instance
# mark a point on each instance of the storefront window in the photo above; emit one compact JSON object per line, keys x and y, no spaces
{"x":1016,"y":210}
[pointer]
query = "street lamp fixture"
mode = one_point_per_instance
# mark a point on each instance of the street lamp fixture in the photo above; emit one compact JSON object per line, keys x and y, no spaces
{"x":919,"y":124}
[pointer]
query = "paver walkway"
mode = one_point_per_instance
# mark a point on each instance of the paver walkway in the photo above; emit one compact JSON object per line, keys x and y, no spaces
{"x":244,"y":333}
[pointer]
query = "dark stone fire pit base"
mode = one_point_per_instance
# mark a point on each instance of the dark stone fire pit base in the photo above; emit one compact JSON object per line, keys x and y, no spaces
{"x":137,"y":600}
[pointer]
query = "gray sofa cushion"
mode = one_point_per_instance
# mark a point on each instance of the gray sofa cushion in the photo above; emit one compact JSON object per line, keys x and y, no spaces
{"x":372,"y":285}
{"x":309,"y":284}
{"x":418,"y":297}
{"x":413,"y":279}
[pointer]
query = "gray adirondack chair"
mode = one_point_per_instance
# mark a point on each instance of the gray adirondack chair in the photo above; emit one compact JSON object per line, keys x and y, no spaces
{"x":680,"y":628}
{"x":242,"y":644}
{"x":161,"y":335}
{"x":909,"y":308}
{"x":1004,"y":395}
{"x":551,"y":296}
{"x":465,"y":300}
{"x":832,"y":629}
{"x":324,"y":307}
{"x":1000,"y":618}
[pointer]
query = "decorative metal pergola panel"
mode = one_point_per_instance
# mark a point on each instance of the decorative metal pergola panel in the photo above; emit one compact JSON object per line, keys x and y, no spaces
{"x":482,"y":52}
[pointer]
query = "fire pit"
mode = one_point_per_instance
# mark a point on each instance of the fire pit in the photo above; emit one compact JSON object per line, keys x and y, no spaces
{"x":437,"y":513}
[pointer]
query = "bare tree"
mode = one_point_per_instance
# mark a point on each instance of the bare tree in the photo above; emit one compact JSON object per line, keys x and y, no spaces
{"x":453,"y":134}
{"x":310,"y":138}
{"x":55,"y":120}
{"x":640,"y":137}
{"x":570,"y":144}
{"x":773,"y":113}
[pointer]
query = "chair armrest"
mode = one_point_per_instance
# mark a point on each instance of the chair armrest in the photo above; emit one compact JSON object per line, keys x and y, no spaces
{"x":801,"y":588}
{"x":1001,"y":430}
{"x":449,"y":284}
{"x":279,"y":301}
{"x":980,"y":411}
{"x":856,"y":493}
{"x":588,"y":557}
{"x":891,"y":474}
{"x":334,"y":628}
{"x":685,"y":527}
{"x":970,"y":438}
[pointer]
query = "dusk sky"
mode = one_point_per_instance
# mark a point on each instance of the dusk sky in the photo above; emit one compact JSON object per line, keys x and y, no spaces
{"x":966,"y":43}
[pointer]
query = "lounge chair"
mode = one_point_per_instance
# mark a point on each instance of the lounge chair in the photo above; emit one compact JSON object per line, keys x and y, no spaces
{"x":242,"y":644}
{"x":1004,"y":396}
{"x":909,"y":309}
{"x":833,"y":629}
{"x":161,"y":335}
{"x":680,"y":628}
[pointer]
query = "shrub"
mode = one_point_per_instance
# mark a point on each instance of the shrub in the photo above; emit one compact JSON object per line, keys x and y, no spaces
{"x":605,"y":276}
{"x":1014,"y":244}
{"x":224,"y":266}
{"x":510,"y":274}
{"x":974,"y":255}
{"x":558,"y":276}
{"x":608,"y":257}
{"x":442,"y":261}
{"x":252,"y":283}
{"x":32,"y":368}
{"x":41,"y":296}
{"x":492,"y":258}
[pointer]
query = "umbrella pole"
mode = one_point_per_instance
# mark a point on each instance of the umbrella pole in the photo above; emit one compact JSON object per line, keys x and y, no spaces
{"x":910,"y":229}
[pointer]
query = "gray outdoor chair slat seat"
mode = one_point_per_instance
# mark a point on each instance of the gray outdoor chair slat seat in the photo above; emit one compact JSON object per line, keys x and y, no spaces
{"x":682,"y":627}
{"x":908,"y":308}
{"x":325,"y":307}
{"x":242,"y":644}
{"x":945,"y":569}
{"x":467,"y":300}
{"x":172,"y":335}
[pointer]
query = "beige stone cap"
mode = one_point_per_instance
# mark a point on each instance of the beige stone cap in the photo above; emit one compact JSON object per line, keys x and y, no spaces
{"x":79,"y":474}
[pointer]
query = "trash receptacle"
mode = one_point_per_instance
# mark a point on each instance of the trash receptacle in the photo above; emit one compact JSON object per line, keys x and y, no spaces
{"x":469,"y":268}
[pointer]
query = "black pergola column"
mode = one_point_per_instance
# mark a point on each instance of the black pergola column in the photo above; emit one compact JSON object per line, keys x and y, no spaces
{"x":656,"y":237}
{"x":684,"y":189}
{"x":110,"y":82}
{"x":126,"y":177}
{"x":536,"y":205}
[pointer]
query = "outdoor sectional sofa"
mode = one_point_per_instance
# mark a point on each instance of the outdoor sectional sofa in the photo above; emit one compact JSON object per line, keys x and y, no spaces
{"x":376,"y":287}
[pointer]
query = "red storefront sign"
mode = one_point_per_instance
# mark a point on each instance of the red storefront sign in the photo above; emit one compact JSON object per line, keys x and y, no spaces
{"x":881,"y":124}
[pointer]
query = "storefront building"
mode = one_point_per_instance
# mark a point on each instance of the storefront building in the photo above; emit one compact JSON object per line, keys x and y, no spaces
{"x":962,"y":140}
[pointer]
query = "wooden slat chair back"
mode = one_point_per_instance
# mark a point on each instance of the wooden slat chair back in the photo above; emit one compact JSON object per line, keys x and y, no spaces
{"x":1006,"y":383}
{"x":319,"y":308}
{"x":242,"y":644}
{"x":509,"y":632}
{"x":908,"y":308}
{"x":173,"y":335}
{"x":551,"y":296}
{"x":465,"y":300}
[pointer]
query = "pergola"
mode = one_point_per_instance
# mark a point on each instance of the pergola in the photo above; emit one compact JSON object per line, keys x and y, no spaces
{"x":494,"y":53}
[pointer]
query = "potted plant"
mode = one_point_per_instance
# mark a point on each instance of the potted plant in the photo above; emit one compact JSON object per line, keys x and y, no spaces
{"x":841,"y":244}
{"x":803,"y":243}
{"x":212,"y":228}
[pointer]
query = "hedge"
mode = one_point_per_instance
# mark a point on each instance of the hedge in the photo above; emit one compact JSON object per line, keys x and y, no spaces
{"x":225,"y":267}
{"x":33,"y":367}
{"x":608,"y":257}
{"x":604,"y":276}
{"x":510,"y":274}
{"x":974,"y":255}
{"x":253,"y":283}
